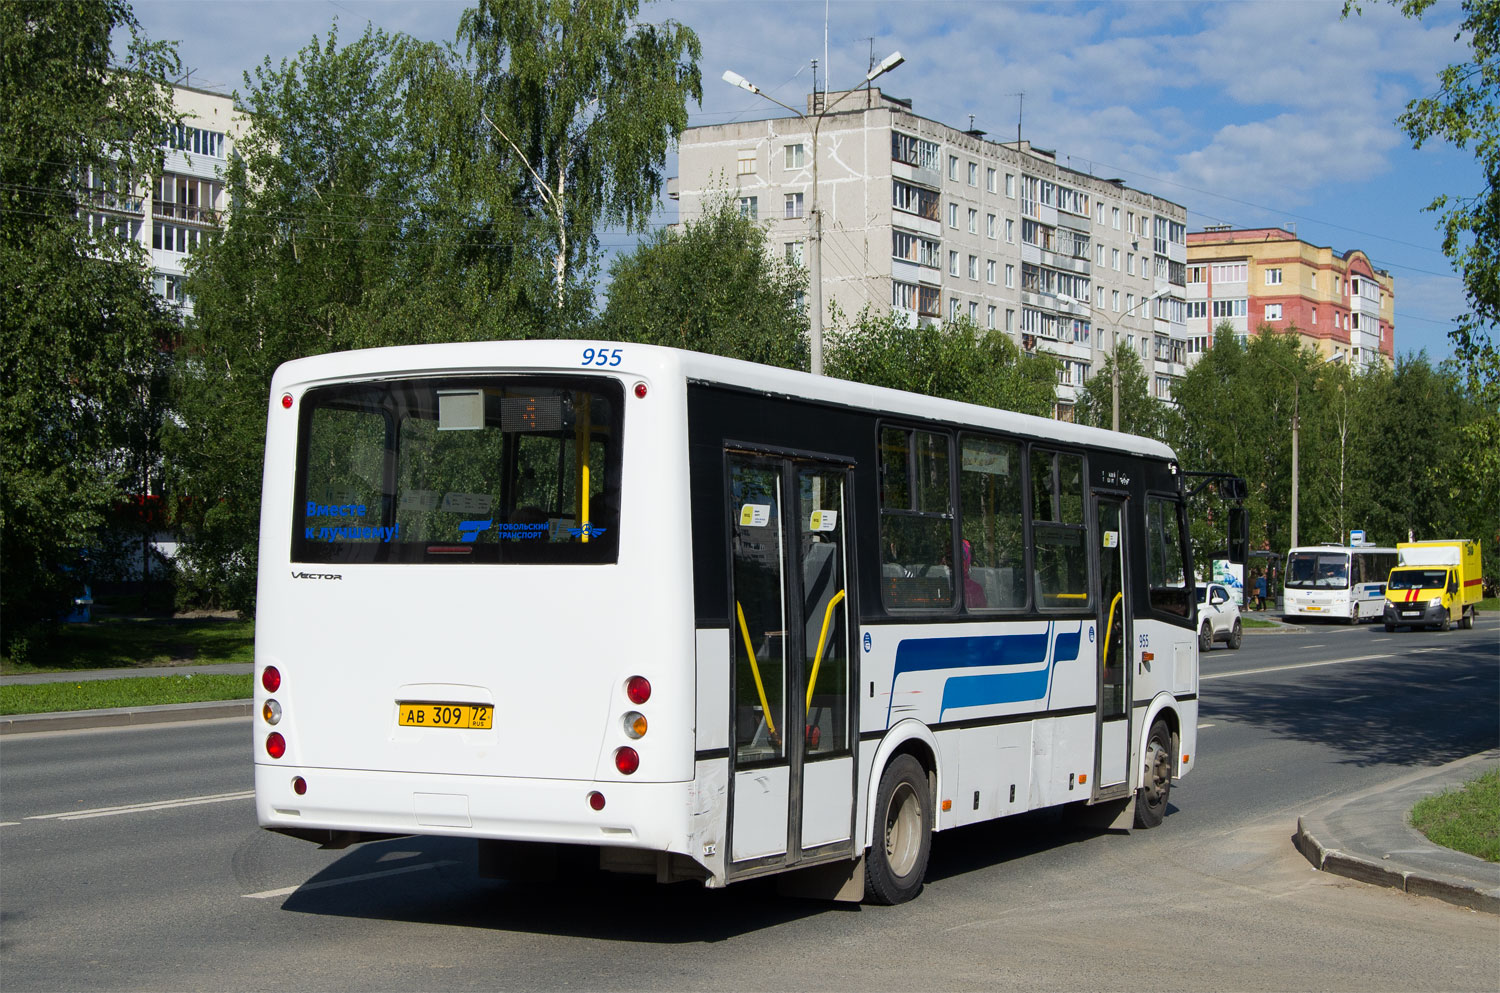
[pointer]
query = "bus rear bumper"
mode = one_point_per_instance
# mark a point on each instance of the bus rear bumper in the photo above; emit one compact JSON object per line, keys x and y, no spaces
{"x":635,"y":815}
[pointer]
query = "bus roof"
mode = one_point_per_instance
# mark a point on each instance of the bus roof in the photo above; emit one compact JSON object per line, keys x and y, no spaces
{"x":649,"y":360}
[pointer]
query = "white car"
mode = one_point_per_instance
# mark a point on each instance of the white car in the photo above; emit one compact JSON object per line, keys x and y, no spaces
{"x":1218,"y":617}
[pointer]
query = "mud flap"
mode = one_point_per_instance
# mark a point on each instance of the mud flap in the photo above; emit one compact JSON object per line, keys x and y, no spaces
{"x":843,"y":881}
{"x":1110,"y":815}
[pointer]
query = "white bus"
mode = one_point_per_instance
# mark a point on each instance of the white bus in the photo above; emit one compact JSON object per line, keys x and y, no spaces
{"x":711,"y":619}
{"x":1336,"y":582}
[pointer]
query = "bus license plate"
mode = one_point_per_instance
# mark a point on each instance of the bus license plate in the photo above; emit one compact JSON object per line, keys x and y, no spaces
{"x":446,"y":715}
{"x":1315,"y":608}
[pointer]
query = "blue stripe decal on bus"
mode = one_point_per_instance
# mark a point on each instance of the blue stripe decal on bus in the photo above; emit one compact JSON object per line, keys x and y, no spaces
{"x":920,"y":654}
{"x":997,"y":687}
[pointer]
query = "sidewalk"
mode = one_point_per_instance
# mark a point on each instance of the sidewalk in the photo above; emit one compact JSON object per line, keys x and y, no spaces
{"x":1366,"y":837}
{"x":75,"y":720}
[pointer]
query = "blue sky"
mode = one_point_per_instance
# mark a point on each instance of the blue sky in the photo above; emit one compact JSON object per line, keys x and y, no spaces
{"x":1257,"y":113}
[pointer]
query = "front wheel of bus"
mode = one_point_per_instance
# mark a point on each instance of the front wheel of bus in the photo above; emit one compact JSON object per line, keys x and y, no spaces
{"x":897,"y":860}
{"x":1151,"y":798}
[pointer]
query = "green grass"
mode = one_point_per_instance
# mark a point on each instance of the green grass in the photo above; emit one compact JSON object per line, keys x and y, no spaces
{"x":1493,"y":603}
{"x":1466,"y":819}
{"x":1256,"y":622}
{"x":135,"y":642}
{"x":143,"y":691}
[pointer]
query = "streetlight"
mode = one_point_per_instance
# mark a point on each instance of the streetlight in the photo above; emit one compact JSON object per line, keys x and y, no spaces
{"x":1114,"y":345}
{"x":815,"y":217}
{"x":1296,"y":427}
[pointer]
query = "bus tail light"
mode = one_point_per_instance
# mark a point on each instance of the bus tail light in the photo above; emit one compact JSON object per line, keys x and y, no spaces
{"x":626,"y":759}
{"x":275,"y":745}
{"x":638,"y":688}
{"x":270,"y":678}
{"x":596,"y":800}
{"x":635,"y":724}
{"x":299,"y":785}
{"x":271,"y":712}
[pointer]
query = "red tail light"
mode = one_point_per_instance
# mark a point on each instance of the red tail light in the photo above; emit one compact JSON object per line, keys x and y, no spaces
{"x":270,"y":678}
{"x":638,"y":688}
{"x":299,"y":785}
{"x":626,"y":760}
{"x":596,"y":800}
{"x":275,"y":745}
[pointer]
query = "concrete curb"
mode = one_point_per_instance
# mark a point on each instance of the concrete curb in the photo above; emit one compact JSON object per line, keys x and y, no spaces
{"x":1378,"y":847}
{"x":75,"y":720}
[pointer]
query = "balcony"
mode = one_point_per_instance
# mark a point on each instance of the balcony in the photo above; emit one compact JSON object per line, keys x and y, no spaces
{"x":184,"y":212}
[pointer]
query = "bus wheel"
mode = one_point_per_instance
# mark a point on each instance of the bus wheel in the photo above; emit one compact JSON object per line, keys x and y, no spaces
{"x":1206,"y":638}
{"x":903,"y":838}
{"x":1236,"y":635}
{"x":1151,"y":798}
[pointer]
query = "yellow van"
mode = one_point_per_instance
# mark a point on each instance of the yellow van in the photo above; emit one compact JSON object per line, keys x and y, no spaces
{"x":1435,"y":584}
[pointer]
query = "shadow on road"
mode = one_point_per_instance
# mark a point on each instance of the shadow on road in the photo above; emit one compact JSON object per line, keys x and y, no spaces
{"x":1422,"y":709}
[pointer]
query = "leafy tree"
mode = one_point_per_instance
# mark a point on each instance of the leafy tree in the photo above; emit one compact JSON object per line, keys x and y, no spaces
{"x":955,"y":360}
{"x":710,"y":286}
{"x":584,"y":103}
{"x":1140,"y":412}
{"x":80,"y":330}
{"x":363,"y":215}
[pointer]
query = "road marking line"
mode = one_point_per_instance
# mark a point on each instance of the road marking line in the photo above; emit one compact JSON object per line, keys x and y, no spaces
{"x":1314,"y":646}
{"x":1456,"y":679}
{"x":9,"y":823}
{"x":135,"y":808}
{"x":1351,"y":699}
{"x":362,"y":877}
{"x":1299,"y":665}
{"x":1201,"y":726}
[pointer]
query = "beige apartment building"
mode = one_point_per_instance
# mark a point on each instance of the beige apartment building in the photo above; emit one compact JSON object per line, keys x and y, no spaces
{"x":935,"y":222}
{"x":1340,"y":304}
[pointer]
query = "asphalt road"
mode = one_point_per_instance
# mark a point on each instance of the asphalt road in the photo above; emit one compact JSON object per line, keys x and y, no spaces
{"x":129,"y":859}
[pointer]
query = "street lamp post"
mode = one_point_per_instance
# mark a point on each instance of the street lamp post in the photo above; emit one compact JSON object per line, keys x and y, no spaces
{"x":1296,"y":428}
{"x":815,"y":217}
{"x":1114,"y":344}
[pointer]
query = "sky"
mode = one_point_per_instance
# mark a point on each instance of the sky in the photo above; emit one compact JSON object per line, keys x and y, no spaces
{"x":1253,"y":114}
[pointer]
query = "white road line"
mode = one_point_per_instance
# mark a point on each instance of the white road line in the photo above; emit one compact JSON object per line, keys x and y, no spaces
{"x":1314,"y":646}
{"x":1456,"y":679}
{"x":1205,"y":726}
{"x":289,"y":890}
{"x":9,"y":823}
{"x":1351,"y":699}
{"x":1299,"y":665}
{"x":1383,"y":639}
{"x":136,"y":808}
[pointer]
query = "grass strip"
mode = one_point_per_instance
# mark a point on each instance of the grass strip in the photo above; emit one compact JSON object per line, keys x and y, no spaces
{"x":1255,"y":622}
{"x":134,"y":642}
{"x":143,"y":691}
{"x":1466,"y":819}
{"x":1493,"y":603}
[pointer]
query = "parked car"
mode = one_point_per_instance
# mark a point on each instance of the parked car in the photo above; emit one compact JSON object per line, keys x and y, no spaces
{"x":1218,"y":617}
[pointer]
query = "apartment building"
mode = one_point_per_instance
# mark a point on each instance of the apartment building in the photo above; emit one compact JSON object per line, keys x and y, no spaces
{"x":1339,"y":303}
{"x":176,"y":212}
{"x":935,"y":222}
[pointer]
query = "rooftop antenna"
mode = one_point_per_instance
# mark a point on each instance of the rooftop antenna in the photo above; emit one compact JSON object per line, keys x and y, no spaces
{"x":817,"y":100}
{"x":1020,"y":107}
{"x":971,"y":122}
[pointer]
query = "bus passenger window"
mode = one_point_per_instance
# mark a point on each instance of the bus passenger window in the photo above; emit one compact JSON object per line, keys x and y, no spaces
{"x":991,"y":519}
{"x":1164,"y":556}
{"x":1058,"y":530}
{"x":916,"y":520}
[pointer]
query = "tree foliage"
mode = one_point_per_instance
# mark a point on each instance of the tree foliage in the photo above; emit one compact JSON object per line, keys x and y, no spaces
{"x":710,"y":286}
{"x":80,"y":330}
{"x":955,"y":360}
{"x":364,"y":214}
{"x":584,"y":103}
{"x":1140,"y":412}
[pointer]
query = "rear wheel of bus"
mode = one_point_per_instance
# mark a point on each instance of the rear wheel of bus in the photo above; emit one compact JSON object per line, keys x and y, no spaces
{"x":897,"y":860}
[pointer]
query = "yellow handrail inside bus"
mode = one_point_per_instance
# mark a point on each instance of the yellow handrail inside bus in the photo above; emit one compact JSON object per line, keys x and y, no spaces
{"x":812,"y":680}
{"x":581,"y":442}
{"x":1109,"y":628}
{"x":765,"y":708}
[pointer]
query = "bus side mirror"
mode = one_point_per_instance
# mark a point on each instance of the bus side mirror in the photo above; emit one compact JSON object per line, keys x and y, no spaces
{"x":1239,"y":536}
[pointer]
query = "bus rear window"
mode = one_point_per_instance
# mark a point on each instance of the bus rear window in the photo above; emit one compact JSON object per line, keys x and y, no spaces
{"x":473,"y":469}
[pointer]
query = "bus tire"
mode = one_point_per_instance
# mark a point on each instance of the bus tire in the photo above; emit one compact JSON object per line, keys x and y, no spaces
{"x":897,"y":860}
{"x":1206,"y":638}
{"x":1236,"y":635}
{"x":1151,"y":798}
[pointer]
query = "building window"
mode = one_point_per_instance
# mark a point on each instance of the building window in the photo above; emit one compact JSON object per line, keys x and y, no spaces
{"x":1130,"y":263}
{"x":914,"y":151}
{"x":1230,"y":308}
{"x":1010,"y":230}
{"x":1129,"y":302}
{"x":915,"y":200}
{"x":974,"y":268}
{"x":989,"y":271}
{"x":989,"y":317}
{"x":196,"y":141}
{"x":1195,"y":274}
{"x":1114,"y":300}
{"x":1114,"y":259}
{"x":745,"y":162}
{"x":989,"y":225}
{"x":953,"y":167}
{"x":1010,"y":319}
{"x":793,"y":205}
{"x":955,"y":308}
{"x":1115,"y":217}
{"x":989,"y":184}
{"x":953,"y":263}
{"x":1010,"y":186}
{"x":794,"y":156}
{"x":1273,"y":277}
{"x":750,"y":207}
{"x":1197,"y":309}
{"x":973,"y":173}
{"x":1231,"y":272}
{"x":974,"y":311}
{"x":973,"y":221}
{"x":1273,"y":311}
{"x":1010,"y":275}
{"x":1315,"y":315}
{"x":904,"y":296}
{"x":953,"y":215}
{"x":794,"y":252}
